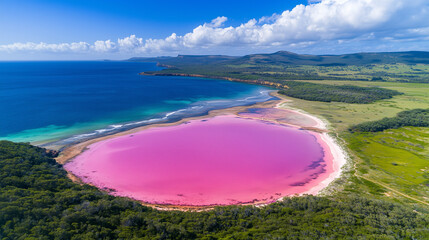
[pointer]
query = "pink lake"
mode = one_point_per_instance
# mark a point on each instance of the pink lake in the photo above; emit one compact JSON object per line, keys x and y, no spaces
{"x":217,"y":161}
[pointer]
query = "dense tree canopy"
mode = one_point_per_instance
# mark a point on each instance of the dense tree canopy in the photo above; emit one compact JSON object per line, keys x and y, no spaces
{"x":411,"y":118}
{"x":37,"y":200}
{"x":336,"y":93}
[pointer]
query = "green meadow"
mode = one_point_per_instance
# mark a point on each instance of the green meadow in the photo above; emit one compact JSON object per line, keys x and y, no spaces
{"x":397,"y":158}
{"x":342,"y":115}
{"x":393,"y":164}
{"x":387,"y":72}
{"x":398,"y":72}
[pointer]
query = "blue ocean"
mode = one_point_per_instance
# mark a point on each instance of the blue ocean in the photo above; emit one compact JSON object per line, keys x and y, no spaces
{"x":65,"y":102}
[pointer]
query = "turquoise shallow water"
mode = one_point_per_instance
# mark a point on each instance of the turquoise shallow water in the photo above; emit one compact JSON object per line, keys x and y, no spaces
{"x":71,"y":101}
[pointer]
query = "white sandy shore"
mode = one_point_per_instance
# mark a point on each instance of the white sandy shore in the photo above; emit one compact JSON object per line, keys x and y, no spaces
{"x":323,"y":125}
{"x":339,"y":156}
{"x":339,"y":159}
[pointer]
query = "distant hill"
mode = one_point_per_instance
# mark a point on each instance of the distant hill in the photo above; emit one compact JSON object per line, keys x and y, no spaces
{"x":289,"y":58}
{"x":410,"y":66}
{"x":285,"y":57}
{"x":186,"y":59}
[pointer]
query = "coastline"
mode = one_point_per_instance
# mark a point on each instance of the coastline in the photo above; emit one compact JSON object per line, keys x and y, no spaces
{"x":194,"y":109}
{"x":333,"y":151}
{"x":338,"y":161}
{"x":69,"y":152}
{"x":249,"y":81}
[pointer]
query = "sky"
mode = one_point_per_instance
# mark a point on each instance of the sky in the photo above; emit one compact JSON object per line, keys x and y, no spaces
{"x":112,"y":29}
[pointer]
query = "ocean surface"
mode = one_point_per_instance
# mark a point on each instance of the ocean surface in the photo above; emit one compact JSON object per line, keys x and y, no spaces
{"x":64,"y":102}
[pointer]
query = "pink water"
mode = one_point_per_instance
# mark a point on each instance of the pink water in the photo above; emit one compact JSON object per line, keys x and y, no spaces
{"x":217,"y":161}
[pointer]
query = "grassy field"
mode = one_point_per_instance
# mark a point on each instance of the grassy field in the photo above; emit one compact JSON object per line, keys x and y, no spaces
{"x":397,"y":158}
{"x":393,"y":164}
{"x":387,"y":72}
{"x":343,"y":115}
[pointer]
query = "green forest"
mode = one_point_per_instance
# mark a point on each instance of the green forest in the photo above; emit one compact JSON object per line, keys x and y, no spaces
{"x":38,"y":201}
{"x":336,"y":93}
{"x":411,"y":118}
{"x":284,"y":66}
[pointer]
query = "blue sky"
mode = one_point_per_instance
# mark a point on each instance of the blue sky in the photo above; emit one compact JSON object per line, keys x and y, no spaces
{"x":92,"y":20}
{"x":94,"y":29}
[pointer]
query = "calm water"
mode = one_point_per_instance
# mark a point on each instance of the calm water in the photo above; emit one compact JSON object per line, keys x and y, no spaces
{"x":45,"y":101}
{"x":222,"y":160}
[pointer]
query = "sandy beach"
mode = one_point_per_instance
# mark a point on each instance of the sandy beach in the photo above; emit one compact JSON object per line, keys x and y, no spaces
{"x":70,"y":152}
{"x":333,"y":152}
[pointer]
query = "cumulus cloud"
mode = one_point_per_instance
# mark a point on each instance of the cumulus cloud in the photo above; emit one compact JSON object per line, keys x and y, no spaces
{"x":130,"y":43}
{"x":327,"y":20}
{"x":104,"y":46}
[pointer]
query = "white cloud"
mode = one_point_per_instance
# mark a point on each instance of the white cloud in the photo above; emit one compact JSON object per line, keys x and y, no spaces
{"x":269,"y":19}
{"x":104,"y":46}
{"x":217,"y":22}
{"x":321,"y":21}
{"x":130,"y":43}
{"x":171,"y":43}
{"x":52,"y":47}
